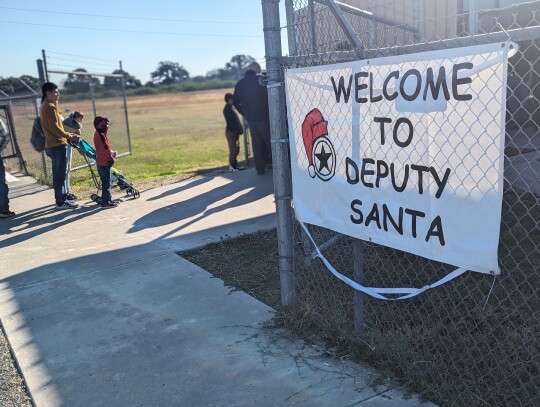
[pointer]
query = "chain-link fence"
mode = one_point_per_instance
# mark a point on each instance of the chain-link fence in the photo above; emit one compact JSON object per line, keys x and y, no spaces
{"x":84,"y":79}
{"x":474,"y":340}
{"x":23,"y":108}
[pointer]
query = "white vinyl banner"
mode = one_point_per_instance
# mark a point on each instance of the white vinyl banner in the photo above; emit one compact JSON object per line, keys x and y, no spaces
{"x":404,"y":151}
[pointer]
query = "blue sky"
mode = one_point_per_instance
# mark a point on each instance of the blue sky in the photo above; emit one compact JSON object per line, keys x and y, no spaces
{"x":199,"y":35}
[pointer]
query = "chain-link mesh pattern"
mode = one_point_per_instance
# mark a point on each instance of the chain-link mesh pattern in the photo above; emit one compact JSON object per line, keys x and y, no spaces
{"x":24,"y":111}
{"x":23,"y":108}
{"x":113,"y":109}
{"x":317,"y":31}
{"x":474,"y":340}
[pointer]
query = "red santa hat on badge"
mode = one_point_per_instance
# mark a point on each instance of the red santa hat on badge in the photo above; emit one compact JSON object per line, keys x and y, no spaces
{"x":314,"y":126}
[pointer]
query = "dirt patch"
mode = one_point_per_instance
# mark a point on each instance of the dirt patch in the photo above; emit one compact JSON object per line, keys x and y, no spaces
{"x":248,"y":263}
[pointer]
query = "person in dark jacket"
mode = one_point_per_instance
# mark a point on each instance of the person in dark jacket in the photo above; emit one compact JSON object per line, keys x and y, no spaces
{"x":233,"y":129}
{"x":104,"y":160}
{"x":251,"y":100}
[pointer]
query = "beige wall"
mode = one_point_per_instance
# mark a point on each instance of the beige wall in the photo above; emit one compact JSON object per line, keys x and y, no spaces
{"x":437,"y":19}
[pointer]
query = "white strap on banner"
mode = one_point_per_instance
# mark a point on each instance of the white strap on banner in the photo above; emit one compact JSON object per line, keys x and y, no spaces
{"x":376,"y":292}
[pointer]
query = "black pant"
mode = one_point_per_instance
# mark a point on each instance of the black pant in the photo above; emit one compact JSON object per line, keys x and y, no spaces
{"x":260,"y":140}
{"x":234,"y":147}
{"x":4,"y":190}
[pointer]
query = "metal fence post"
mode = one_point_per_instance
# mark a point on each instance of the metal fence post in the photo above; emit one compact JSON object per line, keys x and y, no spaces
{"x":123,"y":82}
{"x":313,"y":30}
{"x":245,"y":126}
{"x":93,"y":97}
{"x":46,"y":71}
{"x":41,"y":71}
{"x":279,"y":139}
{"x":473,"y":17}
{"x":291,"y":29}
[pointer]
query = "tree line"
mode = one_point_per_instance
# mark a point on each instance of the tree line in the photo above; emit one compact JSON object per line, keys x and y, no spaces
{"x":167,"y":74}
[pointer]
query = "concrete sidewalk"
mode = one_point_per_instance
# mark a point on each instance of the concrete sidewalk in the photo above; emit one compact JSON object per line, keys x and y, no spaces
{"x":100,"y":311}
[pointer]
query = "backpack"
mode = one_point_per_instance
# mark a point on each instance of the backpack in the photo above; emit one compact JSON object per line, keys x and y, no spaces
{"x":37,"y":138}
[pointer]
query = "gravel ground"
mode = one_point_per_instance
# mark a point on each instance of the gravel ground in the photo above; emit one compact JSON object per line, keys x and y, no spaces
{"x":12,"y":389}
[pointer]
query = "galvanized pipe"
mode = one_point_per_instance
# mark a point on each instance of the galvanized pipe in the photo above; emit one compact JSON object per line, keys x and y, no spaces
{"x":280,"y":151}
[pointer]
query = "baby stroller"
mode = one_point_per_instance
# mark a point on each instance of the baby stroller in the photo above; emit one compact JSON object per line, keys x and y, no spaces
{"x":89,"y":154}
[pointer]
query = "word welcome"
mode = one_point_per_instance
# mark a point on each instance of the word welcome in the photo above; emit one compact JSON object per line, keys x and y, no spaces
{"x":430,"y":83}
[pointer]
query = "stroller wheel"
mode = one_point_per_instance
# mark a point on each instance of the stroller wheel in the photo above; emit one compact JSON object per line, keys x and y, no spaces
{"x":136,"y":194}
{"x":96,"y":198}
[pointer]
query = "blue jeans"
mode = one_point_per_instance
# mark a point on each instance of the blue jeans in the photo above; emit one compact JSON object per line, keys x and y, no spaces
{"x":58,"y":158}
{"x":4,"y":200}
{"x":105,"y":176}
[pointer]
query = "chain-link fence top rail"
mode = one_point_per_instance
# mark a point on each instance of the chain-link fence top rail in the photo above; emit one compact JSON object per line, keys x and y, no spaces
{"x":473,"y":341}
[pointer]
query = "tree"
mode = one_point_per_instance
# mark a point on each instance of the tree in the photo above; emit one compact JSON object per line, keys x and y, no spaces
{"x":80,"y":83}
{"x":198,"y":79}
{"x":169,"y":73}
{"x":238,"y":64}
{"x":111,"y":82}
{"x":13,"y":86}
{"x":221,"y":73}
{"x":32,"y":82}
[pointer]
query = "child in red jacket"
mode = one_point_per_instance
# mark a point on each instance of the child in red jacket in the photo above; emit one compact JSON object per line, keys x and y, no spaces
{"x":104,"y":160}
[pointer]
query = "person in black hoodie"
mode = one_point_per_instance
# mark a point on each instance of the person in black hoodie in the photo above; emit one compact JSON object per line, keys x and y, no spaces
{"x":251,"y":100}
{"x":233,"y":129}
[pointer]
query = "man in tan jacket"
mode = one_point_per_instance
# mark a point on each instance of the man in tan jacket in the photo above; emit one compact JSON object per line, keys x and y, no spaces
{"x":56,"y":142}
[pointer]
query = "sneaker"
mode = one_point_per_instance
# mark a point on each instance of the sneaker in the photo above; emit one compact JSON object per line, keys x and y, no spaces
{"x":66,"y":205}
{"x":6,"y":214}
{"x":233,"y":169}
{"x":71,"y":197}
{"x":109,"y":205}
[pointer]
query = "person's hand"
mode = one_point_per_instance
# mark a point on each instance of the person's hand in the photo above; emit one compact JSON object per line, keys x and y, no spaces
{"x":113,"y":154}
{"x":75,"y":139}
{"x":78,"y":132}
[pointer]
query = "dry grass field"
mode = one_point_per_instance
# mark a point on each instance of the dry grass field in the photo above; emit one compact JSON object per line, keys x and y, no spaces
{"x":173,"y":136}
